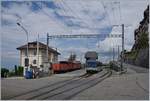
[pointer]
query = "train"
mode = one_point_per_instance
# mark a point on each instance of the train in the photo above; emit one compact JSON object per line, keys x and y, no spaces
{"x":65,"y":66}
{"x":92,"y":65}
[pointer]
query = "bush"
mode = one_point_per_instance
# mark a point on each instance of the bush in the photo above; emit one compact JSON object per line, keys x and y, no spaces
{"x":143,"y":41}
{"x":20,"y":71}
{"x":17,"y":71}
{"x":12,"y":73}
{"x":114,"y":67}
{"x":4,"y":72}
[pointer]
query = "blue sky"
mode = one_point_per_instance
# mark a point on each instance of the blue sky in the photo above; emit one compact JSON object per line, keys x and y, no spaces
{"x":68,"y":17}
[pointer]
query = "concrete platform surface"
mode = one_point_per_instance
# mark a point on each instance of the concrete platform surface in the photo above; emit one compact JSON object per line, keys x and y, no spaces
{"x":13,"y":87}
{"x":18,"y":85}
{"x":129,"y":86}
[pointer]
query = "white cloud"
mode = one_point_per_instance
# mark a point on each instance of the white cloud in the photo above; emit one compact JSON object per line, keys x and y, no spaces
{"x":132,"y":14}
{"x":89,"y":16}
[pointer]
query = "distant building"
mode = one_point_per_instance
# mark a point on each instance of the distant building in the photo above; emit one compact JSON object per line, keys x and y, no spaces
{"x":37,"y":60}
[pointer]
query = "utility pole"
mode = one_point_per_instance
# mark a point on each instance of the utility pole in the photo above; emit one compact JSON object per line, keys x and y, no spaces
{"x":47,"y":55}
{"x":38,"y":52}
{"x":27,"y":37}
{"x":118,"y":56}
{"x":27,"y":56}
{"x":81,"y":57}
{"x":113,"y":54}
{"x":122,"y":53}
{"x":118,"y":53}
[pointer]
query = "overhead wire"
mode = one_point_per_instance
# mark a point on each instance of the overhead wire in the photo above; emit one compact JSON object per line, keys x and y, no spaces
{"x":106,"y":12}
{"x":88,"y":15}
{"x":50,"y":16}
{"x":117,"y":3}
{"x":64,"y":10}
{"x":94,"y":25}
{"x":90,"y":27}
{"x":69,"y":8}
{"x":77,"y":16}
{"x":113,"y":13}
{"x":60,"y":24}
{"x":120,"y":15}
{"x":75,"y":13}
{"x":109,"y":21}
{"x":72,"y":11}
{"x":120,"y":12}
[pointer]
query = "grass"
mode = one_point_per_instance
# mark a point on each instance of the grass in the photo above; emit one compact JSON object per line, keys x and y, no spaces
{"x":133,"y":54}
{"x":143,"y":42}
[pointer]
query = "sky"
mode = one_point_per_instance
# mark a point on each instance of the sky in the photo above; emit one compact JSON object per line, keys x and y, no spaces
{"x":68,"y":17}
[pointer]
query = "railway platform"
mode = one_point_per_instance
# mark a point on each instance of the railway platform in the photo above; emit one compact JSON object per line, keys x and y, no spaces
{"x":133,"y":85}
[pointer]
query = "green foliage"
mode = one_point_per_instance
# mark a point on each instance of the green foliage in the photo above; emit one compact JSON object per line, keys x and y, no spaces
{"x":114,"y":66}
{"x":4,"y":72}
{"x":72,"y":57}
{"x":20,"y":71}
{"x":133,"y":54}
{"x":111,"y":65}
{"x":11,"y":73}
{"x":143,"y":41}
{"x":16,"y":71}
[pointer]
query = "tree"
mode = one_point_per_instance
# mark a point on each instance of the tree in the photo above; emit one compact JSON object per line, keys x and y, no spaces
{"x":4,"y":72}
{"x":20,"y":70}
{"x":16,"y":71}
{"x":72,"y":57}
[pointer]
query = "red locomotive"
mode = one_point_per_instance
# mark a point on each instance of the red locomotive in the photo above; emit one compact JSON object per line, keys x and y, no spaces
{"x":64,"y":66}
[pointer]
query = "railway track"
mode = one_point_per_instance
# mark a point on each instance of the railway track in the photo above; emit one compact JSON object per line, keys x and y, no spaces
{"x":65,"y":89}
{"x":86,"y":75}
{"x":51,"y":85}
{"x":39,"y":88}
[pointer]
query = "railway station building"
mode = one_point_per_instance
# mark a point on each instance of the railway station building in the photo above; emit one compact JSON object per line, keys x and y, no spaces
{"x":37,"y":55}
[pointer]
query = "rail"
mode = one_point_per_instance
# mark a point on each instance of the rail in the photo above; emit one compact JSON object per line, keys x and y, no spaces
{"x":75,"y":84}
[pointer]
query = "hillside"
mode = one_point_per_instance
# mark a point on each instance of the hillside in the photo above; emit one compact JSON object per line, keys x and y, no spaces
{"x":139,"y":54}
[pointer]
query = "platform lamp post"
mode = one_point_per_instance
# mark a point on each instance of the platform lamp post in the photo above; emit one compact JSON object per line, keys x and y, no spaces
{"x":27,"y":59}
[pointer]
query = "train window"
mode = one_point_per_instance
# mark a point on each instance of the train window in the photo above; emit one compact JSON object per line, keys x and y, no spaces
{"x":63,"y":62}
{"x":91,"y":64}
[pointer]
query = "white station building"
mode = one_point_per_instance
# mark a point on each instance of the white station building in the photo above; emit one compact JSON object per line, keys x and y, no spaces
{"x":37,"y":61}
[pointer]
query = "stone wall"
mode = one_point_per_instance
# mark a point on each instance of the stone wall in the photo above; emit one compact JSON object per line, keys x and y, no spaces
{"x":142,"y":58}
{"x":139,"y":54}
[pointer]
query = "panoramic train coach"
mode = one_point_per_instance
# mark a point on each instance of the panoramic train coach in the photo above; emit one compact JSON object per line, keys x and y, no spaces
{"x":92,"y":65}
